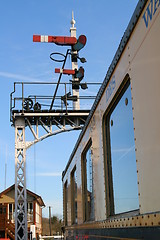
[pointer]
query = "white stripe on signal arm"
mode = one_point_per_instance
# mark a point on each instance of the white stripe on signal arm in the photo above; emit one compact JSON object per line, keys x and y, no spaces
{"x":44,"y":38}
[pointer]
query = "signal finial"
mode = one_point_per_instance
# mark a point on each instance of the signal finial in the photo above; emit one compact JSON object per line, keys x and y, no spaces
{"x":73,"y":20}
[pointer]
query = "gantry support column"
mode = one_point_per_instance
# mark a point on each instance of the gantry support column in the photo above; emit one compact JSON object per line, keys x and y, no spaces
{"x":20,"y":181}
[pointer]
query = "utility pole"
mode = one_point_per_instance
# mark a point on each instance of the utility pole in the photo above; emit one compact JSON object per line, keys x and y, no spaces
{"x":50,"y":232}
{"x":5,"y":169}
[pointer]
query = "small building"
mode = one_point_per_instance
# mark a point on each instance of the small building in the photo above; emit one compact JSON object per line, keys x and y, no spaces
{"x":7,"y":212}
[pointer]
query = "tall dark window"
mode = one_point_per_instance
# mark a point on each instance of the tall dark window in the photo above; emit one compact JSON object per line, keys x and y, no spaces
{"x":74,"y":196}
{"x":30,"y":207}
{"x":11,"y":211}
{"x":65,"y":203}
{"x":121,"y":160}
{"x":87,"y":178}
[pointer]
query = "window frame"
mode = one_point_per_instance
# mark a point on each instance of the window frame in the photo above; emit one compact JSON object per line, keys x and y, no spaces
{"x":109,"y":194}
{"x":84,"y":182}
{"x":73,"y":198}
{"x":65,"y":192}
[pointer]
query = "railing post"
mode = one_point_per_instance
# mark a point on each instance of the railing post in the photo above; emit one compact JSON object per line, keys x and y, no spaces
{"x":22,"y":98}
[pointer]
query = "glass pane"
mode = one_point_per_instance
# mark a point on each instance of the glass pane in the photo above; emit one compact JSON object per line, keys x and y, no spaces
{"x":75,"y":196}
{"x":123,"y":156}
{"x":4,"y":209}
{"x":89,"y":185}
{"x":10,"y":207}
{"x":31,"y":207}
{"x":65,"y":202}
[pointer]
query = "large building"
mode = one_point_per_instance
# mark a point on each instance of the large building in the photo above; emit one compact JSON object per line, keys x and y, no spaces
{"x":7,"y":212}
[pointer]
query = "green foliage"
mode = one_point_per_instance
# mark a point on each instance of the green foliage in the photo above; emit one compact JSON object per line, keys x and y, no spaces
{"x":54,"y":219}
{"x":56,"y":226}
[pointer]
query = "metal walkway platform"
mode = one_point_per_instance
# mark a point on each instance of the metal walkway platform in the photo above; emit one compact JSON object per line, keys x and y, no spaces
{"x":54,"y":117}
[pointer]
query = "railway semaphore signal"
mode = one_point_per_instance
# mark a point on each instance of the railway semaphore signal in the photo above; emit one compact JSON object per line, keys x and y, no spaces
{"x":41,"y":115}
{"x":79,"y":74}
{"x":76,"y":45}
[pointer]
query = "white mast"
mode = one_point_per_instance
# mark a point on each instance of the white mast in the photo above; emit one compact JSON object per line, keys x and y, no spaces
{"x":75,"y":92}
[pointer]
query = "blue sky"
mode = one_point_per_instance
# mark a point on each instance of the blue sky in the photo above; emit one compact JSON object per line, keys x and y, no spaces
{"x":103,"y":22}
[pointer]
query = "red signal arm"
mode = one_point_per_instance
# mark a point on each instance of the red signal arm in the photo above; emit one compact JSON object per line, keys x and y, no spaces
{"x":67,"y":41}
{"x":65,"y":71}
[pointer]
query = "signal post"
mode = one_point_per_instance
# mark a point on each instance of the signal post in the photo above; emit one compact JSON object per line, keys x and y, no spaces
{"x":75,"y":91}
